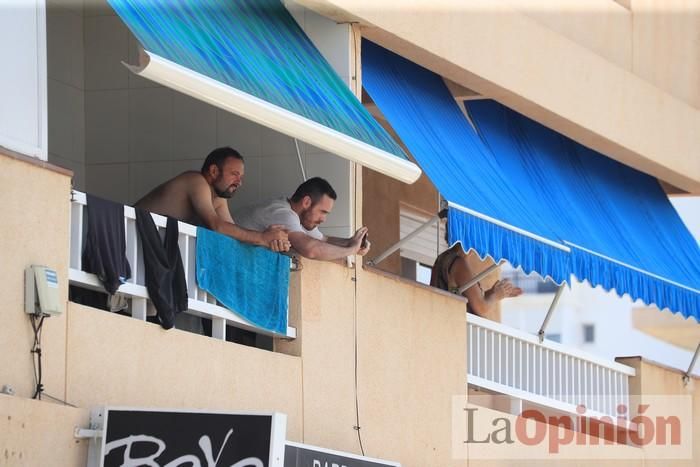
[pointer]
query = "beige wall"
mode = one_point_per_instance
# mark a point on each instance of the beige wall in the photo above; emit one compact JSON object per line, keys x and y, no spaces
{"x":117,"y":360}
{"x":579,"y":89}
{"x":411,"y":361}
{"x":94,"y":358}
{"x":36,"y":433}
{"x":653,"y":380}
{"x":35,"y":216}
{"x":403,"y":343}
{"x":602,"y":26}
{"x":666,"y":46}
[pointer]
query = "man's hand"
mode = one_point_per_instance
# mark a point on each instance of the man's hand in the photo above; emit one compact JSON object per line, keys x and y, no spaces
{"x":356,"y":242}
{"x":275,"y":238}
{"x":505,"y":289}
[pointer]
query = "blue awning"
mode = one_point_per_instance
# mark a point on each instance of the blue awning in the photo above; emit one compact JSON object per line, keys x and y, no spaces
{"x":251,"y":58}
{"x":524,"y":193}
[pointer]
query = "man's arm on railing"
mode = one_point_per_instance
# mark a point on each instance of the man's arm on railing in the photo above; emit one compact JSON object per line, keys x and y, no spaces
{"x":216,"y":216}
{"x":325,"y":251}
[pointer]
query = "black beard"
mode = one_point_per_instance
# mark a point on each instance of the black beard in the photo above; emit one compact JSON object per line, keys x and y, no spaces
{"x":224,"y":194}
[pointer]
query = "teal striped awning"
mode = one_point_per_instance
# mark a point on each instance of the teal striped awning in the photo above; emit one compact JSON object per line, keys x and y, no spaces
{"x":251,"y":58}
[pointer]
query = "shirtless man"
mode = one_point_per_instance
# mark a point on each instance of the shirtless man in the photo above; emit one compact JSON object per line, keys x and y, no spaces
{"x":200,"y":198}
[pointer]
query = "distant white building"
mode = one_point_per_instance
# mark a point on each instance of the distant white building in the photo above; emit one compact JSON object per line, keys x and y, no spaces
{"x":603,"y":323}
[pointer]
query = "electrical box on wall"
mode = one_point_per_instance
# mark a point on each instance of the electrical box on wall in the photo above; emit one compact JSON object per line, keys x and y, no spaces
{"x":41,"y":291}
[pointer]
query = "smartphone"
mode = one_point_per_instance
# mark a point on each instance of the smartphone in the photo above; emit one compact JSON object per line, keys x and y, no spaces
{"x":363,"y":244}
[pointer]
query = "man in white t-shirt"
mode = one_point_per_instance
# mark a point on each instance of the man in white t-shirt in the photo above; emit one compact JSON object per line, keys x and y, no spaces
{"x":300,"y":216}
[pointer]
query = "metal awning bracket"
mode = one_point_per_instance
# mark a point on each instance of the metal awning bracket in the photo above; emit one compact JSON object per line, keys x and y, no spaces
{"x":472,"y":282}
{"x":378,"y":259}
{"x":301,"y":162}
{"x":686,"y":375}
{"x":86,"y":433}
{"x":550,"y":312}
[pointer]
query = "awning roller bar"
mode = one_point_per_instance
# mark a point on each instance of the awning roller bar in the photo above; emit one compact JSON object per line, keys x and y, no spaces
{"x":225,"y":97}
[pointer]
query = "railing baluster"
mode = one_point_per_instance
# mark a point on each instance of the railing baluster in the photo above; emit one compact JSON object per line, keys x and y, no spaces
{"x":76,"y":238}
{"x":470,"y":349}
{"x":589,"y":386}
{"x":513,"y":364}
{"x":579,"y":389}
{"x":191,"y":271}
{"x":139,"y":307}
{"x":616,"y":389}
{"x":218,"y":328}
{"x":479,"y":354}
{"x":491,"y":353}
{"x":182,"y":245}
{"x":499,"y":370}
{"x":541,"y":370}
{"x":131,"y":248}
{"x":520,"y":365}
{"x":625,"y":393}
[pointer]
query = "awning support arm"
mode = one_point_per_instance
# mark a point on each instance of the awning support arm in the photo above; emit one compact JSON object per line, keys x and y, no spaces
{"x":478,"y":277}
{"x":548,"y":316}
{"x":686,"y":375}
{"x":301,"y":163}
{"x":378,"y":259}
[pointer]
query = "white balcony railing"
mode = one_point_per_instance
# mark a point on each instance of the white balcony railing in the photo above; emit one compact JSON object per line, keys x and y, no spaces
{"x":200,"y":303}
{"x":514,"y":363}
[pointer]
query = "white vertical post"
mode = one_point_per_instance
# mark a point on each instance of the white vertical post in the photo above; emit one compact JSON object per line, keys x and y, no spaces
{"x":579,"y":388}
{"x":472,"y":350}
{"x":76,"y":237}
{"x":491,"y":353}
{"x":540,"y":370}
{"x":218,"y":328}
{"x":527,"y":367}
{"x":132,"y":248}
{"x":514,"y":363}
{"x":478,"y":350}
{"x":498,"y":377}
{"x":191,"y":271}
{"x":516,"y":406}
{"x":139,"y":307}
{"x":566,"y":378}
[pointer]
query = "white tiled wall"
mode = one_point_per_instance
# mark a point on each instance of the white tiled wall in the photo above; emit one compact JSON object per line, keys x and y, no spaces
{"x":66,"y":88}
{"x":127,"y":134}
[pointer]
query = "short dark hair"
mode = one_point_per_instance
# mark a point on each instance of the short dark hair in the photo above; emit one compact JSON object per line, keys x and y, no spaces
{"x":314,"y":188}
{"x":218,"y":156}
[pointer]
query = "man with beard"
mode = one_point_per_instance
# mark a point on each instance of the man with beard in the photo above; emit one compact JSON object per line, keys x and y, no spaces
{"x":300,"y":216}
{"x":200,"y":198}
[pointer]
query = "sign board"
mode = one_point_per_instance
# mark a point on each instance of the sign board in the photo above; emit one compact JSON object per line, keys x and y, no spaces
{"x":155,"y":438}
{"x":304,"y":455}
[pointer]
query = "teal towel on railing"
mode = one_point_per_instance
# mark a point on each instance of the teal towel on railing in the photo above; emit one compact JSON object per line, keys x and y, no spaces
{"x":253,"y":282}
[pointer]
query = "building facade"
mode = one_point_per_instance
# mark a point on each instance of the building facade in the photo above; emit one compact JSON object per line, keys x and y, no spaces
{"x":373,"y":362}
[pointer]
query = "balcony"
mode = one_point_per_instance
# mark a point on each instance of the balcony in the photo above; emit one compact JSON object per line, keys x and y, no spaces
{"x":500,"y":359}
{"x":514,"y":363}
{"x":201,"y":303}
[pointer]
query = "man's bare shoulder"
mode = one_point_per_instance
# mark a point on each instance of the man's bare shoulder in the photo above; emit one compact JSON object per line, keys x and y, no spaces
{"x":190,"y":177}
{"x":173,"y":198}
